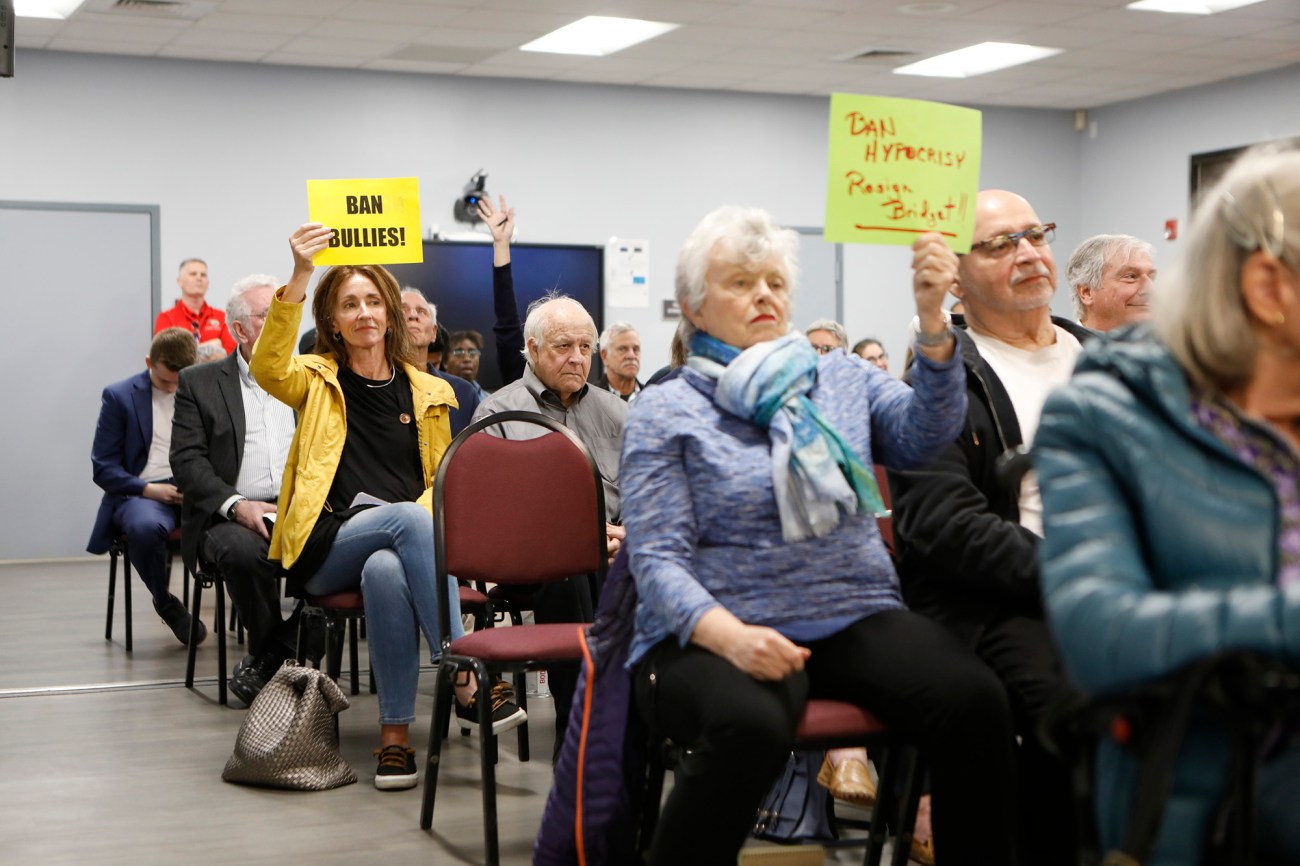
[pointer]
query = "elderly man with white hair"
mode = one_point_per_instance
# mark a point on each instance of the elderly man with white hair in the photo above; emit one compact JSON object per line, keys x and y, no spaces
{"x":1111,"y":278}
{"x":559,"y":338}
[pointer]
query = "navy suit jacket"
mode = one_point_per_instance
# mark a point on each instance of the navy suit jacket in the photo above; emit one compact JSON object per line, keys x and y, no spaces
{"x":123,"y":435}
{"x":466,"y":396}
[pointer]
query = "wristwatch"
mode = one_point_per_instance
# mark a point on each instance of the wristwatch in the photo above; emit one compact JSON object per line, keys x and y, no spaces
{"x":939,"y":339}
{"x":230,"y":512}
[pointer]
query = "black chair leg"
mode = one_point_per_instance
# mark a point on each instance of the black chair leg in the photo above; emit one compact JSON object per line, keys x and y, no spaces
{"x":195,"y":613}
{"x":112,"y":591}
{"x":220,"y":635}
{"x":354,"y":656}
{"x":654,"y":793}
{"x":885,"y":800}
{"x":443,"y":695}
{"x":487,"y":758}
{"x":521,"y":700}
{"x":126,"y":594}
{"x":907,"y":807}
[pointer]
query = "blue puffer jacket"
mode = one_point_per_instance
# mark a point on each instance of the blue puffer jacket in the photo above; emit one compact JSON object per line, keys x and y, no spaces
{"x":1161,"y":548}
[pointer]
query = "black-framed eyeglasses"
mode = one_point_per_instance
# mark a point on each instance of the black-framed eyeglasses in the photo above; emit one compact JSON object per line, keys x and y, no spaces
{"x":999,"y":245}
{"x":824,"y":350}
{"x":461,"y":353}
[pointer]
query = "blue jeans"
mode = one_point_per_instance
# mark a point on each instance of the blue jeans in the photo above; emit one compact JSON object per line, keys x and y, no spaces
{"x":389,"y":550}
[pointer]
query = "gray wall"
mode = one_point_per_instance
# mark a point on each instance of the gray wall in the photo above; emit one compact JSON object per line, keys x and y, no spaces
{"x":225,"y":149}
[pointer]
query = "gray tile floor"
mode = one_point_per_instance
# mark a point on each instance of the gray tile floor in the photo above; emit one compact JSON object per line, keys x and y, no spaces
{"x":108,"y":758}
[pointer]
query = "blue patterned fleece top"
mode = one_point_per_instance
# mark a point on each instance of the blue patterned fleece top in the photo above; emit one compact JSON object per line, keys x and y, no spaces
{"x":701,"y":514}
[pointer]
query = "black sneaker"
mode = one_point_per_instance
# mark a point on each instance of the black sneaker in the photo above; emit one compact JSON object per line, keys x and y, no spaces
{"x":505,"y":714}
{"x":250,"y":676}
{"x":178,"y":619}
{"x":396,"y":771}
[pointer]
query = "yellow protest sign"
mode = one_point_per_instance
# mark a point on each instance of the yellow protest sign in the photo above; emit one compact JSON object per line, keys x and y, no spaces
{"x":901,"y":167}
{"x":376,"y":221}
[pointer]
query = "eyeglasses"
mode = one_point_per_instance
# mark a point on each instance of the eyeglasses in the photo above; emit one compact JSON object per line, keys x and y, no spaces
{"x":824,"y":350}
{"x":463,"y":353}
{"x":999,"y":245}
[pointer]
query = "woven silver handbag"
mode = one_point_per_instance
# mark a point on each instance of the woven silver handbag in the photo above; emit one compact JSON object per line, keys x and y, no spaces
{"x":289,"y":738}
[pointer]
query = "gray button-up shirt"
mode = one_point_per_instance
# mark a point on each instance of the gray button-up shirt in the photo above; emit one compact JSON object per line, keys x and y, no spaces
{"x":596,"y":416}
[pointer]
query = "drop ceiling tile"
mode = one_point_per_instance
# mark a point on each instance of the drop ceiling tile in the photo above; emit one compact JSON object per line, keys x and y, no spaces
{"x":483,"y":71}
{"x":411,"y":14}
{"x":452,"y":36}
{"x":1283,"y":33}
{"x":1071,"y":37}
{"x":716,"y":35}
{"x":1243,"y":49}
{"x":1219,"y":26}
{"x":341,"y":29}
{"x":787,"y":18}
{"x":99,"y":46}
{"x":232,"y":54}
{"x":343,"y":48}
{"x":38,"y":27}
{"x":537,"y":23}
{"x":421,"y":66}
{"x":536,"y":60}
{"x":683,"y":52}
{"x":116,"y":31}
{"x":204,"y":39}
{"x":323,"y":61}
{"x":287,"y":24}
{"x":1037,"y":14}
{"x":313,"y":8}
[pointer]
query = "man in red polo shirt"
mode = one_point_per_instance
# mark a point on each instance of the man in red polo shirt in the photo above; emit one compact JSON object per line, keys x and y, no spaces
{"x":207,"y":324}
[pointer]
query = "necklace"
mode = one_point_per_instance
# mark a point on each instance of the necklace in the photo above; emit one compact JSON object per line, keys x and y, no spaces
{"x":391,"y":377}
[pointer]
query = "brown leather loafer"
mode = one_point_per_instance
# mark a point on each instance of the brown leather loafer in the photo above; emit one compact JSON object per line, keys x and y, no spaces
{"x":850,"y":781}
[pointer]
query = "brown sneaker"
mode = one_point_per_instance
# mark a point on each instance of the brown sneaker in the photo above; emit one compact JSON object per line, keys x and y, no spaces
{"x":505,"y":714}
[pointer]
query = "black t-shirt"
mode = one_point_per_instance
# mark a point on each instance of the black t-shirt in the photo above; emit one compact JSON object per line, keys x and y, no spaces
{"x":381,"y":457}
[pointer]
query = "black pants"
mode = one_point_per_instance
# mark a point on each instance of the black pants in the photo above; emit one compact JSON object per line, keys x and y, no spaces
{"x":908,"y":670}
{"x":566,"y":601}
{"x":1020,"y":651}
{"x":239,"y":554}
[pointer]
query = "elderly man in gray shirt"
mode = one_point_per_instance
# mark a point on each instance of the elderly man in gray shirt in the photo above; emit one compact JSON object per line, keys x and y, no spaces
{"x":559,"y":338}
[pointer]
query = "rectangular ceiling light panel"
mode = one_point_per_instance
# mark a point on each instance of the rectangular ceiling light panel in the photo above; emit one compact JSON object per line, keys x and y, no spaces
{"x":598,"y":35}
{"x":977,"y":60}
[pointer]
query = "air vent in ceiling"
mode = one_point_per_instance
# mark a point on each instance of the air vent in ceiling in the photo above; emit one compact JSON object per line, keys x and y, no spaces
{"x":875,"y":55}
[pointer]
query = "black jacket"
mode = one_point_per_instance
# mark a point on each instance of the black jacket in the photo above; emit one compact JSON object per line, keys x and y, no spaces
{"x":207,"y":445}
{"x":963,"y":557}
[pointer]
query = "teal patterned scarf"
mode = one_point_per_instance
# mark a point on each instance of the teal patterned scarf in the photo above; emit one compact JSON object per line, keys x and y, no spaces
{"x":816,"y":475}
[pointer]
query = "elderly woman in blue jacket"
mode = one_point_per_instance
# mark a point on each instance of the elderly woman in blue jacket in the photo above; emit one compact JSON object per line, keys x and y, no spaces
{"x":763,"y":581}
{"x":1169,"y":470}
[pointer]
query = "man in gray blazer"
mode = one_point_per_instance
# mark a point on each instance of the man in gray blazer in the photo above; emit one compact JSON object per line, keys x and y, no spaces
{"x":229,"y":443}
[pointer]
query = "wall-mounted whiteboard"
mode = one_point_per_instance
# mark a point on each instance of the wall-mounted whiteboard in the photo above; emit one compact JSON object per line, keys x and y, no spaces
{"x":81,"y":284}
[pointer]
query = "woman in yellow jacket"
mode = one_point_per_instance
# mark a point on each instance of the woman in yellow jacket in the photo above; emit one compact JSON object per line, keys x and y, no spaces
{"x":371,"y":429}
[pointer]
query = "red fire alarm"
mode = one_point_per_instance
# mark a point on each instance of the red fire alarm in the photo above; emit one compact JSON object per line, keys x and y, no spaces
{"x":1171,"y":230}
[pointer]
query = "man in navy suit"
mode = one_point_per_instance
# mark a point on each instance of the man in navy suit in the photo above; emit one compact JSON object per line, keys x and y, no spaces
{"x":230,"y":440}
{"x":131,"y":460}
